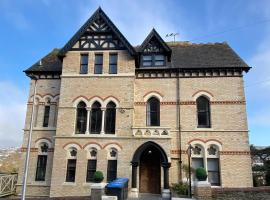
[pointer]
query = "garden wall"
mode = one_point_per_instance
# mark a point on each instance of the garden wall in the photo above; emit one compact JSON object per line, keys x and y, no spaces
{"x":255,"y":193}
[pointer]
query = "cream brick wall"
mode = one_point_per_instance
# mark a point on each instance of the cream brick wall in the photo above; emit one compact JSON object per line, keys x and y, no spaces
{"x":229,"y":123}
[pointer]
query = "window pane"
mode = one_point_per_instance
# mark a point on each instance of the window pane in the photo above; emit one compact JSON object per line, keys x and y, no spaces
{"x":91,"y":169}
{"x":111,"y":170}
{"x":203,"y":112}
{"x":147,"y":63}
{"x":147,"y":58}
{"x":159,"y":57}
{"x":41,"y":167}
{"x":213,"y":171}
{"x":81,"y":118}
{"x":113,"y":64}
{"x":46,"y":116}
{"x":96,"y":118}
{"x":98,"y":64}
{"x":84,"y":64}
{"x":99,"y":59}
{"x":159,"y":63}
{"x":153,"y":112}
{"x":113,"y":58}
{"x":197,"y":162}
{"x":71,"y":170}
{"x":110,"y":118}
{"x":84,"y":59}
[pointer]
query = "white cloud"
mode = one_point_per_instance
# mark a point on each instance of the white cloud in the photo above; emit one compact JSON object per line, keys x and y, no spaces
{"x":12,"y":114}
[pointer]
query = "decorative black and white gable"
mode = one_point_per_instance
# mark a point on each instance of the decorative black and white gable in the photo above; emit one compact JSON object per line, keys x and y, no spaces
{"x":154,"y":52}
{"x":98,"y":33}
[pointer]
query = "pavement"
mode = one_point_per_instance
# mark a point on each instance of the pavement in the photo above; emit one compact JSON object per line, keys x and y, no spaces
{"x":155,"y":197}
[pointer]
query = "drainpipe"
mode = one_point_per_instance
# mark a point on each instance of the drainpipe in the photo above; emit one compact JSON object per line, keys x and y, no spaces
{"x":26,"y":164}
{"x":179,"y":123}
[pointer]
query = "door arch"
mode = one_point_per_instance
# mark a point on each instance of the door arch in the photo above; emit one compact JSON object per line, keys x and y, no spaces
{"x":150,"y":157}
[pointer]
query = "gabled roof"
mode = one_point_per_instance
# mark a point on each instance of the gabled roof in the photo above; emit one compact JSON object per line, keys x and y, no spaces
{"x":188,"y":55}
{"x":151,"y":35}
{"x":48,"y":64}
{"x":98,"y":13}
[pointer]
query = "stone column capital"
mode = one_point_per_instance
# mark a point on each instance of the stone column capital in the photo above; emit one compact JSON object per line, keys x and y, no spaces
{"x":134,"y":164}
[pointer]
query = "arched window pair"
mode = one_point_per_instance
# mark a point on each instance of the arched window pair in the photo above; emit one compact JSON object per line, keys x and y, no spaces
{"x":209,"y":160}
{"x":203,"y":112}
{"x":96,"y":122}
{"x":153,"y":112}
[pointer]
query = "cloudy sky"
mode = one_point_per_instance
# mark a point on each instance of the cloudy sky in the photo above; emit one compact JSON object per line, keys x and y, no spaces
{"x":31,"y":28}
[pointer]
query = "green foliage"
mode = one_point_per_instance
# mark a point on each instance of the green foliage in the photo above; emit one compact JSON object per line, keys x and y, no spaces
{"x":180,"y":188}
{"x":98,"y":177}
{"x":201,"y":174}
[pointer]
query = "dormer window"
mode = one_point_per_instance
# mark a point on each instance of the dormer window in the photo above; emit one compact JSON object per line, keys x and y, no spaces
{"x":153,"y":60}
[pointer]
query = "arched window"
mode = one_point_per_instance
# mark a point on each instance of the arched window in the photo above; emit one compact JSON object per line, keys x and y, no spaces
{"x":81,"y":118}
{"x":110,"y":118}
{"x":112,"y":165}
{"x":91,"y":165}
{"x":96,"y":118}
{"x":42,"y":161}
{"x":71,"y":164}
{"x":197,"y":158}
{"x":46,"y":113}
{"x":153,"y":112}
{"x":203,"y":112}
{"x":213,"y":165}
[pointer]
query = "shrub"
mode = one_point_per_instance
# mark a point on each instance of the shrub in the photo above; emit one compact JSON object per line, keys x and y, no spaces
{"x":180,"y":188}
{"x":98,"y":177}
{"x":267,"y":178}
{"x":201,"y":174}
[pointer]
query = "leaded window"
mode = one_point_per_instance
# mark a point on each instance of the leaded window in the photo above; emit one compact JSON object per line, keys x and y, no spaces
{"x":46,"y":116}
{"x":91,"y":169}
{"x":110,"y":118}
{"x":98,"y":64}
{"x":153,"y":112}
{"x":96,"y":118}
{"x":84,"y":64}
{"x":153,"y":60}
{"x":41,"y":168}
{"x":203,"y":112}
{"x":81,"y":118}
{"x":71,"y":170}
{"x":111,"y":170}
{"x":213,"y":171}
{"x":113,"y":64}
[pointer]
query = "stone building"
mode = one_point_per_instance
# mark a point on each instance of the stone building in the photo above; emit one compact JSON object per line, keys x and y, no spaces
{"x":103,"y":104}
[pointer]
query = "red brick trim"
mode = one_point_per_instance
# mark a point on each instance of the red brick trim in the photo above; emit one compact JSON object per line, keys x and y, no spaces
{"x":72,"y":143}
{"x":43,"y":138}
{"x":234,"y":152}
{"x":81,"y":96}
{"x":112,"y":143}
{"x":194,"y":103}
{"x":203,"y":91}
{"x":205,"y":141}
{"x":177,"y":151}
{"x":153,"y":92}
{"x":92,"y":143}
{"x":24,"y":149}
{"x":47,"y":94}
{"x":112,"y":97}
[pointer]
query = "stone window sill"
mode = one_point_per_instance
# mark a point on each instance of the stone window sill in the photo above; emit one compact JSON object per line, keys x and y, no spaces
{"x":69,"y":183}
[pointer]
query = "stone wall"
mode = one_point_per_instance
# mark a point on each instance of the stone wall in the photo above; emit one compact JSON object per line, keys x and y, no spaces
{"x":260,"y":193}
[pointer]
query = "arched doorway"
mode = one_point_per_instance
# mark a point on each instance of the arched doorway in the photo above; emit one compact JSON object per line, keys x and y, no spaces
{"x":150,"y":157}
{"x":150,"y":165}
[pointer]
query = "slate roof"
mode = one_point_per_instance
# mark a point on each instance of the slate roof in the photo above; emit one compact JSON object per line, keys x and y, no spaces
{"x":185,"y":55}
{"x":48,"y":64}
{"x":212,"y":55}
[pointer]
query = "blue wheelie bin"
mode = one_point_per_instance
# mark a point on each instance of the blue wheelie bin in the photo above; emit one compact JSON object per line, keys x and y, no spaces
{"x":119,"y":188}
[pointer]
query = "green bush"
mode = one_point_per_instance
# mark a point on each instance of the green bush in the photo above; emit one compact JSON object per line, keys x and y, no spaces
{"x":98,"y":177}
{"x":201,"y":174}
{"x":180,"y":188}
